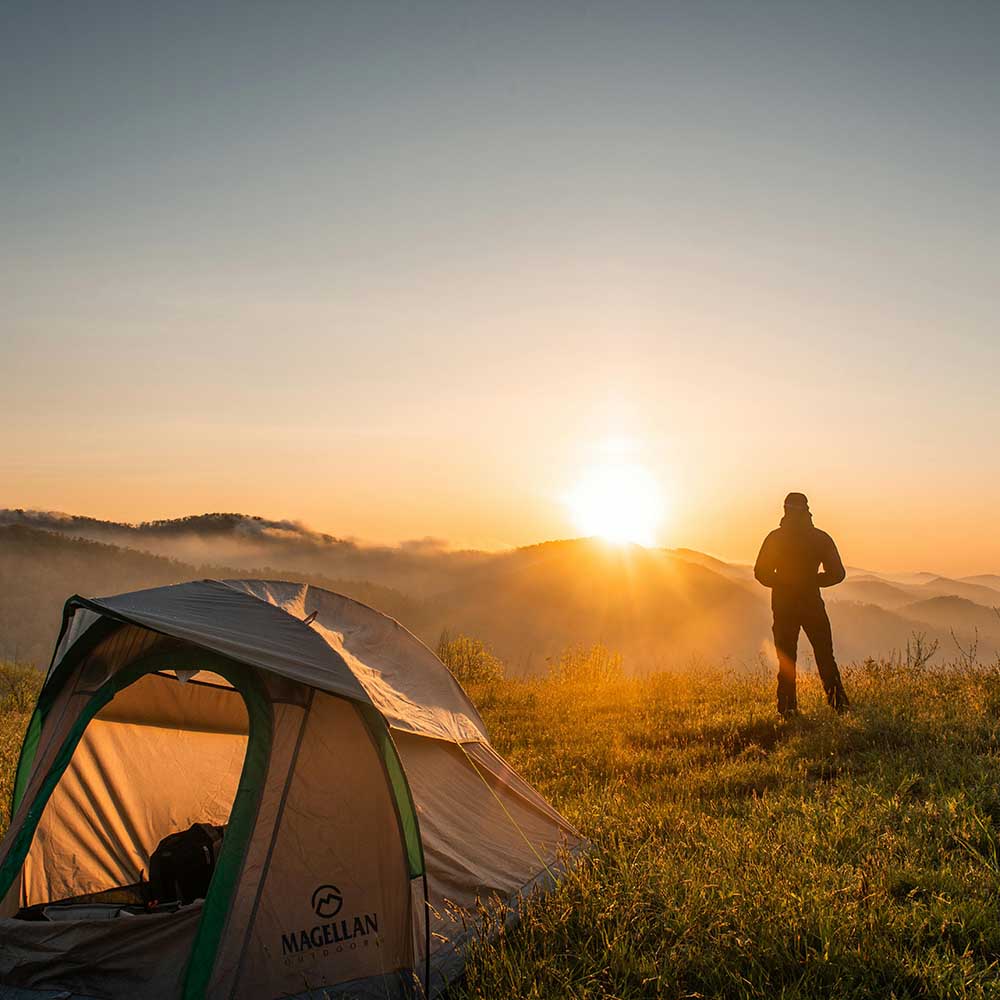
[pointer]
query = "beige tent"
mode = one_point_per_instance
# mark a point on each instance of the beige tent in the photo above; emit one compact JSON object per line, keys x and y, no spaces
{"x":366,"y":815}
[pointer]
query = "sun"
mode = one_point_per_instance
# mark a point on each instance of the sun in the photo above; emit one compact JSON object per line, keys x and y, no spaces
{"x":618,"y":501}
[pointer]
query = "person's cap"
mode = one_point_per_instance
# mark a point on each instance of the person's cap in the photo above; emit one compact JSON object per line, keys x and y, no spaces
{"x":796,"y":501}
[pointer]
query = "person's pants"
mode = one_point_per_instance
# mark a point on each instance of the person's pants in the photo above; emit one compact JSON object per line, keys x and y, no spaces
{"x":811,"y":617}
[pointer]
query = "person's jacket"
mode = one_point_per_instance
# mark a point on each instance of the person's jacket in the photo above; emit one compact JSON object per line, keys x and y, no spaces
{"x":791,"y":556}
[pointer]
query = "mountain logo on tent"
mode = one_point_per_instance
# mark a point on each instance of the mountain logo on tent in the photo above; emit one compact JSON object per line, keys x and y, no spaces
{"x":327,"y":901}
{"x":333,"y":934}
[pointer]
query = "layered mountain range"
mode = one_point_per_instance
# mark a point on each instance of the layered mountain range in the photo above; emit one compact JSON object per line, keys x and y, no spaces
{"x":659,"y":607}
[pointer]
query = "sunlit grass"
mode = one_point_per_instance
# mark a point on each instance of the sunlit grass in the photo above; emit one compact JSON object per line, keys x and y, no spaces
{"x":737,"y":855}
{"x":12,"y":727}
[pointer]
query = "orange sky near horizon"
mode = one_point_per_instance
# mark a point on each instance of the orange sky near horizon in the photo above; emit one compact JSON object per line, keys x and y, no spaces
{"x":494,"y":502}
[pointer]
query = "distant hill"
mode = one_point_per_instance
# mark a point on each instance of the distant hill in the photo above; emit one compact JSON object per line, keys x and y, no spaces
{"x":991,"y":580}
{"x":648,"y":604}
{"x":895,"y":592}
{"x":39,"y":570}
{"x":910,"y":578}
{"x":659,"y":607}
{"x":528,"y":604}
{"x":246,"y":541}
{"x":733,"y":571}
{"x":954,"y":612}
{"x":864,"y":630}
{"x":868,"y":590}
{"x":943,"y":587}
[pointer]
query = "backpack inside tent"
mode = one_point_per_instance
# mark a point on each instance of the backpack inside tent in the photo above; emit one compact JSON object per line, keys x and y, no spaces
{"x":257,"y":789}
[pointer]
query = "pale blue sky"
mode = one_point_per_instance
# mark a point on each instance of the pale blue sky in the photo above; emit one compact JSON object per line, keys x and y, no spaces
{"x":397,"y":269}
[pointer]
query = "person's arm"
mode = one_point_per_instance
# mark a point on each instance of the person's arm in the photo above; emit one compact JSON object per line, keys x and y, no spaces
{"x":833,"y":566}
{"x":764,"y":568}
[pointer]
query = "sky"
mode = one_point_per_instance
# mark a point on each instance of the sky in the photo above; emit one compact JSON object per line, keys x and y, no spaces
{"x":408,"y":270}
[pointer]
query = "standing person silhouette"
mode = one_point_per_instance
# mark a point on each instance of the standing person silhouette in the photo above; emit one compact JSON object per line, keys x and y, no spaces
{"x":789,"y":563}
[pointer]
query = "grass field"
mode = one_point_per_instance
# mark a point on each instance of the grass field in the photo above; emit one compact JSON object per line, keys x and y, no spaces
{"x":737,"y":855}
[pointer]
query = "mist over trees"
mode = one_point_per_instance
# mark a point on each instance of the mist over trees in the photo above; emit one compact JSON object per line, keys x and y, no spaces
{"x":39,"y":570}
{"x":655,"y":608}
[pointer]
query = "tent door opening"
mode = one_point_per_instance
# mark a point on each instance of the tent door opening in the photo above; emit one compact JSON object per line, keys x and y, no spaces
{"x":135,"y":821}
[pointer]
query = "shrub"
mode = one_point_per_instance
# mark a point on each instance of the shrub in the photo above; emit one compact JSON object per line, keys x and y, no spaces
{"x":594,"y":665}
{"x":469,"y":660}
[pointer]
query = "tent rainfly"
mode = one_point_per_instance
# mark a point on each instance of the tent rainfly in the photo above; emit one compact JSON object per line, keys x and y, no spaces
{"x":363,"y":814}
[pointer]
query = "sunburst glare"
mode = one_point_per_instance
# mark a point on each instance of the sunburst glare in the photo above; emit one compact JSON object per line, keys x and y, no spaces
{"x":619,"y":501}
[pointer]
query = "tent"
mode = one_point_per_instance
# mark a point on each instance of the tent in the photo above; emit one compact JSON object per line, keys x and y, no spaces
{"x":369,"y":826}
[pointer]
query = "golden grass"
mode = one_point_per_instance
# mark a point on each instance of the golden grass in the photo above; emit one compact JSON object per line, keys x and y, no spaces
{"x":739,"y":855}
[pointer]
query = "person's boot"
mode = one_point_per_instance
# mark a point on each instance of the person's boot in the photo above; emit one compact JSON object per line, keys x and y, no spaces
{"x":787,"y":700}
{"x":836,"y":697}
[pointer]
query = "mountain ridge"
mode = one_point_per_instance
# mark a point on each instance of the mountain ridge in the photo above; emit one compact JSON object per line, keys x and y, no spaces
{"x":658,"y":607}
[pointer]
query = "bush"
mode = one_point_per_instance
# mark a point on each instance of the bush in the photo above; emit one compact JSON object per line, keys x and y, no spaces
{"x":596,"y":665}
{"x":469,"y":660}
{"x":19,"y":686}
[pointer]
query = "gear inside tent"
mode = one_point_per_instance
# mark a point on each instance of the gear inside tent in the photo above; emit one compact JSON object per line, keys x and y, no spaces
{"x":257,"y":789}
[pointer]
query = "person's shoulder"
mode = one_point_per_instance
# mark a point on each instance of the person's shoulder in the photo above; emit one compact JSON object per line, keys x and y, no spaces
{"x":823,"y":537}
